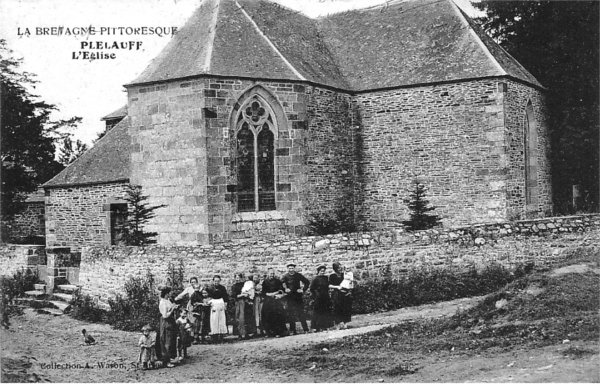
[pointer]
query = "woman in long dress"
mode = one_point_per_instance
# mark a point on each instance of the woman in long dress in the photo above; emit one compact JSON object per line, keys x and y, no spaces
{"x":341,"y":298}
{"x":218,"y":305}
{"x":168,"y":328}
{"x":319,"y":288}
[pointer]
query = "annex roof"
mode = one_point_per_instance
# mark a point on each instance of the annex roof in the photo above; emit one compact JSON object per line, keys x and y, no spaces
{"x":119,"y":113}
{"x":400,"y":43}
{"x":107,"y":161}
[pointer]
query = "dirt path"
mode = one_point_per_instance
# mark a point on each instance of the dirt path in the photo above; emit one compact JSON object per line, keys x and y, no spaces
{"x":39,"y":347}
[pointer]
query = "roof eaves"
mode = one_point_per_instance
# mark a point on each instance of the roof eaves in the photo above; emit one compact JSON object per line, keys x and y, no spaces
{"x":462,"y":18}
{"x":119,"y":113}
{"x":431,"y":83}
{"x":87,"y":183}
{"x":294,"y":70}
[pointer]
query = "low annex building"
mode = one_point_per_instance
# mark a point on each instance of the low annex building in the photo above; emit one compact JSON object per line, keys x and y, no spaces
{"x":254,"y":117}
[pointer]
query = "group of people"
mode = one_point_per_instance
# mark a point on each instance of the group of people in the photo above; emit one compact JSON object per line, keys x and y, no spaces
{"x":263,"y":306}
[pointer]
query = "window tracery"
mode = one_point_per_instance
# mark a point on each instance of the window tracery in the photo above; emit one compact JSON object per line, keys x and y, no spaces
{"x":255,"y":157}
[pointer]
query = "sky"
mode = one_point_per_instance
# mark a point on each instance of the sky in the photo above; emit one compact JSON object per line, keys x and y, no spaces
{"x":92,"y":89}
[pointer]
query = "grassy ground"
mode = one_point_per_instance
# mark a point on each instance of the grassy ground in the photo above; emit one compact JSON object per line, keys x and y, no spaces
{"x":541,"y":309}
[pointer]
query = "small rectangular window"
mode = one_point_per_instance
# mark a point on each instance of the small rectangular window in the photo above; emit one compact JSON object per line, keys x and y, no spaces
{"x":118,"y":218}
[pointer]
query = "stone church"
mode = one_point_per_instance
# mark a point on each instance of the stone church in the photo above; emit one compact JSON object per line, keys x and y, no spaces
{"x":255,"y":117}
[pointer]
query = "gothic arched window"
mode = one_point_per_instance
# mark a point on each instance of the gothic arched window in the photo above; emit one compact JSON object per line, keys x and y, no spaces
{"x":255,"y":157}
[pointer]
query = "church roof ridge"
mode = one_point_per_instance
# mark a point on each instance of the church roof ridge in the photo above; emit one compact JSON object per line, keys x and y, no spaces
{"x":396,"y":44}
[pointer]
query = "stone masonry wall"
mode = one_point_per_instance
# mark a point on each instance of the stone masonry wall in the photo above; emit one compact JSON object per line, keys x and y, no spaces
{"x":169,"y":158}
{"x":288,"y":102}
{"x":330,"y":147}
{"x":79,"y":216}
{"x":516,"y":99}
{"x":184,"y":155}
{"x":104,"y":270}
{"x":450,"y":137}
{"x":14,"y":258}
{"x":330,"y":155}
{"x":29,"y":222}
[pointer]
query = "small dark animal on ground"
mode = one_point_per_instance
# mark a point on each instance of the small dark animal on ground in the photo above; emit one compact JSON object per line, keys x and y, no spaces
{"x":88,"y":338}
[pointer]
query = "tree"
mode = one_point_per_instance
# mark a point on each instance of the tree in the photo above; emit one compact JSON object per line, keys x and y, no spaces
{"x":71,"y":150}
{"x":558,"y":42}
{"x":28,"y":134}
{"x":419,"y":206}
{"x":138,"y":215}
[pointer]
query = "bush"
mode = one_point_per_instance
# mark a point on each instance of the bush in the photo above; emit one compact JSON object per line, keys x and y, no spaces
{"x":84,"y":308}
{"x":139,"y":305}
{"x":136,"y":308}
{"x":21,"y":281}
{"x":419,"y":207}
{"x":422,"y":286}
{"x":332,"y":221}
{"x":12,"y":287}
{"x":138,"y":215}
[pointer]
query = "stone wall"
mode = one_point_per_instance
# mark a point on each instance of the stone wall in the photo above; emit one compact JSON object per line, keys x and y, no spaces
{"x":104,"y":270}
{"x":331,"y":149}
{"x":14,"y":258}
{"x":185,"y":155}
{"x":516,"y":99}
{"x":169,"y":158}
{"x":28,"y":223}
{"x":452,"y":138}
{"x":80,"y":215}
{"x":330,"y":153}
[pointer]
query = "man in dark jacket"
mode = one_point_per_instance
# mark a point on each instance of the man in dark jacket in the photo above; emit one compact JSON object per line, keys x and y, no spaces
{"x":295,"y":285}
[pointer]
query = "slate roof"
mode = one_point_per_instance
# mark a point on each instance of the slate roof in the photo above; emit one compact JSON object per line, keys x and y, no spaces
{"x":399,"y":44}
{"x":107,"y":161}
{"x":119,"y":113}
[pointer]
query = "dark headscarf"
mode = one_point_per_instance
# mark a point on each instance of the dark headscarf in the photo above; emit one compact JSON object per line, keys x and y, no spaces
{"x":164,"y":291}
{"x":336,"y":267}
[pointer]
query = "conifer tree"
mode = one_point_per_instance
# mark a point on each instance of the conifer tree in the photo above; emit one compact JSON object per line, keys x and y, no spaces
{"x":139,"y":213}
{"x":419,"y":206}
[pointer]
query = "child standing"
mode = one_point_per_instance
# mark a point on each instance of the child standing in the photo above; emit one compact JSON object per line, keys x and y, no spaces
{"x":147,"y":348}
{"x":184,"y":339}
{"x":203,"y":312}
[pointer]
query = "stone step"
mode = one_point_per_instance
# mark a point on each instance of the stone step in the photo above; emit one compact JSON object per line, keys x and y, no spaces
{"x":68,"y":287}
{"x":23,"y":300}
{"x":63,"y":296}
{"x":35,"y":293}
{"x":50,"y":311}
{"x":61,"y":305}
{"x":40,"y":287}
